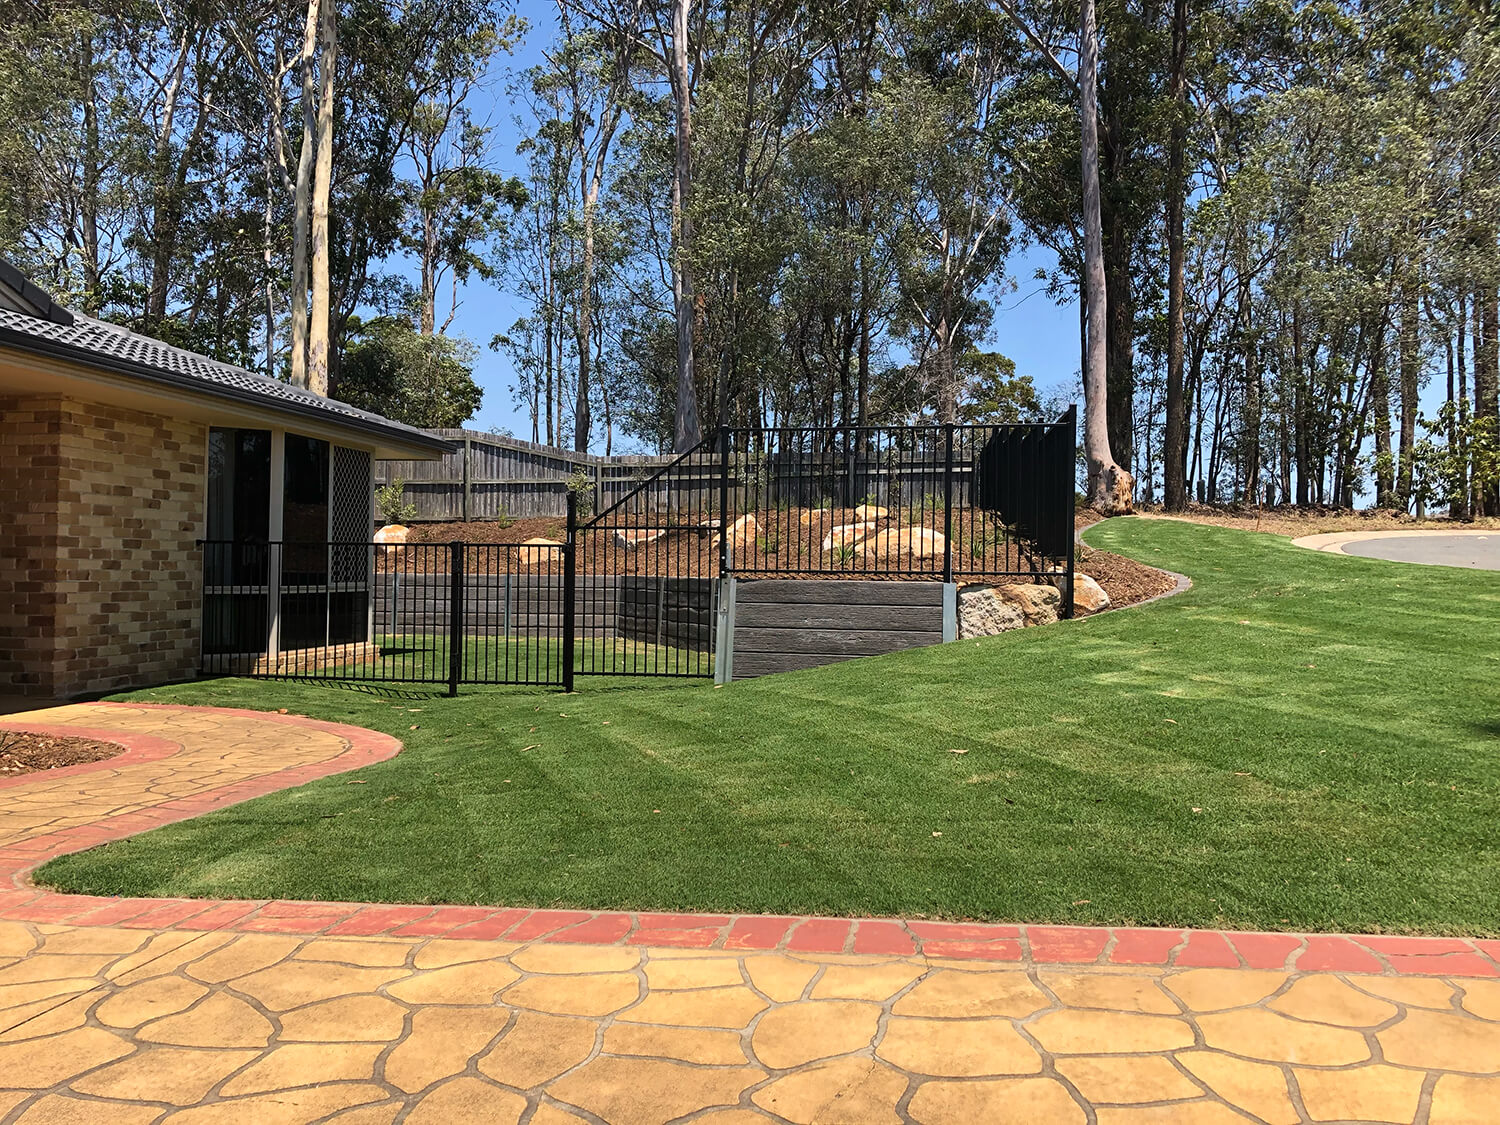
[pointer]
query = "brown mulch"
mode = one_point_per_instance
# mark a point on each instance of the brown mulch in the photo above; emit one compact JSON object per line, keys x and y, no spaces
{"x":788,"y":541}
{"x":26,"y":752}
{"x":490,"y":531}
{"x":1124,"y":580}
{"x":1295,"y":522}
{"x":792,"y":538}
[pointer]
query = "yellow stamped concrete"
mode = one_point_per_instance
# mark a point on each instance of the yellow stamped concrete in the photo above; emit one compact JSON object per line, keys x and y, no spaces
{"x":122,"y":1025}
{"x":236,"y":1028}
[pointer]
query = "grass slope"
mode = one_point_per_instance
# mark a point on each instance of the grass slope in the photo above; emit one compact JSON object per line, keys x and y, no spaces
{"x":1302,"y":741}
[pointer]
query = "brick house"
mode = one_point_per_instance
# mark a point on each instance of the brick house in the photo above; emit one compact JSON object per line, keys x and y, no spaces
{"x":155,"y":502}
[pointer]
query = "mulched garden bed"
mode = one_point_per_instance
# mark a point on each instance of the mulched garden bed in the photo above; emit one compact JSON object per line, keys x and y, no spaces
{"x":1124,"y":580}
{"x":686,"y":552}
{"x":26,"y":752}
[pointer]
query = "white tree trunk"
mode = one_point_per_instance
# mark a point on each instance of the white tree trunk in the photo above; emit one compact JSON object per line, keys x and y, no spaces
{"x":318,"y":338}
{"x":302,"y":198}
{"x":1109,"y":486}
{"x":686,"y":430}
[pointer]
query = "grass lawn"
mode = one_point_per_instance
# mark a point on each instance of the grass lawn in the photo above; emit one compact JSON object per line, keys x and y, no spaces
{"x":1302,"y":741}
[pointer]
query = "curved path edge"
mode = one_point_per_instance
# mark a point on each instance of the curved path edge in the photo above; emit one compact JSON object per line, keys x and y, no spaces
{"x":1334,"y":542}
{"x":1184,"y":583}
{"x":1179,"y":948}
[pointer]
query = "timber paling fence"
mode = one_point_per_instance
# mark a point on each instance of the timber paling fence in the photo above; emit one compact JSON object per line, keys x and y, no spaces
{"x":644,"y":582}
{"x":490,"y":477}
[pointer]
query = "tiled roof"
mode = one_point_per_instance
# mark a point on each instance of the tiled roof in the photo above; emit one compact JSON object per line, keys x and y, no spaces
{"x":119,"y":350}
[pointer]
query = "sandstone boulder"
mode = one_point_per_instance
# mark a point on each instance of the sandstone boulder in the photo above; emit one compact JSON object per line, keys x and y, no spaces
{"x":846,"y":534}
{"x":983,"y":613}
{"x":919,"y":542}
{"x":1088,"y":595}
{"x":540,"y":551}
{"x":392,"y":533}
{"x":743,"y":533}
{"x":631,"y":538}
{"x":1038,"y":604}
{"x":869,"y":513}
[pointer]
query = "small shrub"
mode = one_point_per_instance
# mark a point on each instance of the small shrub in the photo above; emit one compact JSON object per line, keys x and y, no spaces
{"x":390,"y":502}
{"x":843,"y":555}
{"x":581,"y":485}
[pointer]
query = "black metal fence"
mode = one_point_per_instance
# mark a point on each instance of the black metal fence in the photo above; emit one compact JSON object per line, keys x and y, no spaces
{"x":949,"y":502}
{"x":421,"y":613}
{"x":661,"y":549}
{"x":637,"y":588}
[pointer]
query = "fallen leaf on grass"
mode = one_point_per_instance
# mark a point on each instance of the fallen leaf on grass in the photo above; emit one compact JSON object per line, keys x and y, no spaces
{"x":1083,"y":902}
{"x":1172,"y":721}
{"x":958,"y":751}
{"x":533,"y":746}
{"x":937,"y":833}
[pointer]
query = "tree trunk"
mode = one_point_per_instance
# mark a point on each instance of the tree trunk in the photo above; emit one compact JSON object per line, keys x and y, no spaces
{"x":1119,"y":357}
{"x":302,"y":197}
{"x":163,"y":199}
{"x":1380,"y":394}
{"x":1174,"y":442}
{"x":584,"y":330}
{"x":686,"y":431}
{"x":947,"y":396}
{"x":1299,"y":415}
{"x":319,"y":339}
{"x":1486,"y":386}
{"x":89,"y":203}
{"x":267,"y":254}
{"x":1411,"y":368}
{"x":1109,"y":486}
{"x":1461,"y":508}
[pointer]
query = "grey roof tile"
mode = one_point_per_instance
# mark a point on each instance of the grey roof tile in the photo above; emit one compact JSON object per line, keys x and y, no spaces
{"x":87,"y":339}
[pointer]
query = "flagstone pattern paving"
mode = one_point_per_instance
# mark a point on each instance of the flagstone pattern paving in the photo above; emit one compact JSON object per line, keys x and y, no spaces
{"x":134,"y":1010}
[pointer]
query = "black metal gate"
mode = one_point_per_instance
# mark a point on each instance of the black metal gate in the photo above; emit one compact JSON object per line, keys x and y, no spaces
{"x":638,"y":587}
{"x":416,"y":613}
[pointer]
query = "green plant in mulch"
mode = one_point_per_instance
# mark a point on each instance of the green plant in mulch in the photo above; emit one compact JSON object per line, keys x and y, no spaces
{"x":391,"y":503}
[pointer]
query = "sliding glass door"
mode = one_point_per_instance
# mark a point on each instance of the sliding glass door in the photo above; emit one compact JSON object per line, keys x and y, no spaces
{"x":286,"y":563}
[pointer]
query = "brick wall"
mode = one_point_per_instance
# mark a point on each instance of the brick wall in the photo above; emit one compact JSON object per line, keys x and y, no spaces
{"x":99,"y":571}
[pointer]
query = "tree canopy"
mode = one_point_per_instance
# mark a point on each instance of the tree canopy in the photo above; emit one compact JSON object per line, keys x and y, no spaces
{"x":807,"y":213}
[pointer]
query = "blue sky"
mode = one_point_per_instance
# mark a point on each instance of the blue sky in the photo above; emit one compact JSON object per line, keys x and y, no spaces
{"x":1040,"y":336}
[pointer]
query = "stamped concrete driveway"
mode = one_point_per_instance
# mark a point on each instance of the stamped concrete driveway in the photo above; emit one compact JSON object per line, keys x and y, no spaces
{"x":1477,"y":550}
{"x":194,"y":1012}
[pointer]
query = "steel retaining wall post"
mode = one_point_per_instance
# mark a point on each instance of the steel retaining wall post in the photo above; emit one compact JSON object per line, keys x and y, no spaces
{"x":948,"y":502}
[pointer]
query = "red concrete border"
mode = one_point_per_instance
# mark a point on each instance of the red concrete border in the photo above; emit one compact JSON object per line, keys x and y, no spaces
{"x":135,"y":748}
{"x":1018,"y":944}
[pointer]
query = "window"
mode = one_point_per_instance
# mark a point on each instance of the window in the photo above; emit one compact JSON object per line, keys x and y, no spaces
{"x":271,"y":565}
{"x":236,"y":556}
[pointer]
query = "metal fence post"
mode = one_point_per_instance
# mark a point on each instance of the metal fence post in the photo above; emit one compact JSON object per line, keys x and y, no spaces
{"x":1067,"y":452}
{"x":948,"y":502}
{"x":726,"y":559}
{"x":455,"y":616}
{"x":570,"y":570}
